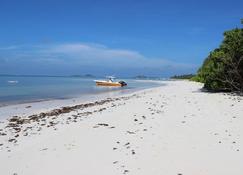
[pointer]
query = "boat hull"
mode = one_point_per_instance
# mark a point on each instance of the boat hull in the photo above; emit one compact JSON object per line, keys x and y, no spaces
{"x":108,"y":84}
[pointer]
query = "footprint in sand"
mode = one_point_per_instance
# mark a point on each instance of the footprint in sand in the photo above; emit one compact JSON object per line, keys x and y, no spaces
{"x":125,"y":171}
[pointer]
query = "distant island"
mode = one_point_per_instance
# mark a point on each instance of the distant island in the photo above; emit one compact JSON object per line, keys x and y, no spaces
{"x":81,"y":76}
{"x":84,"y":76}
{"x":185,"y":76}
{"x":140,"y":77}
{"x":144,"y":77}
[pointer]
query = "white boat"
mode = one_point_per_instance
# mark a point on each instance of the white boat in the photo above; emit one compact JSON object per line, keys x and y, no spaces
{"x":110,"y":82}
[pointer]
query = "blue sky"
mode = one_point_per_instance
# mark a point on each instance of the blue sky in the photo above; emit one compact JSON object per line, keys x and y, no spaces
{"x":120,"y":37}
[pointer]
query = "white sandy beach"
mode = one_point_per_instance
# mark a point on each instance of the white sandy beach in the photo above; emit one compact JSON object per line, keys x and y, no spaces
{"x":169,"y":130}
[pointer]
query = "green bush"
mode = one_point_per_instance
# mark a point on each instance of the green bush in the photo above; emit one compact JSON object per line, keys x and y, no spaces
{"x":222,"y":70}
{"x":183,"y":77}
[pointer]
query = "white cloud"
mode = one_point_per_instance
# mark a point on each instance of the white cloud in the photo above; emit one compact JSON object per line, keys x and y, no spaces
{"x":70,"y":55}
{"x":94,"y":50}
{"x":9,"y":47}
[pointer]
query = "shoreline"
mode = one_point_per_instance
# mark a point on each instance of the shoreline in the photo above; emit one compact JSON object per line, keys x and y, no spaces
{"x":28,"y":108}
{"x":172,"y":129}
{"x":85,"y":95}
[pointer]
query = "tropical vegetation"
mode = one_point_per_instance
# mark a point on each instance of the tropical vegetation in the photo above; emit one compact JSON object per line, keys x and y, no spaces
{"x":222,"y":70}
{"x":183,"y":77}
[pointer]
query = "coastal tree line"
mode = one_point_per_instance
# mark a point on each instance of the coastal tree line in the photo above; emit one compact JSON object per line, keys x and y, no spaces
{"x":222,"y":70}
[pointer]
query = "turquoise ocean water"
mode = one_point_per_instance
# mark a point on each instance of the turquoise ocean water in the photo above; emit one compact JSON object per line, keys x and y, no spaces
{"x":27,"y":89}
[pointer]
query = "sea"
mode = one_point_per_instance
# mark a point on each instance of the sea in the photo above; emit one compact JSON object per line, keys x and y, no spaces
{"x":24,"y":89}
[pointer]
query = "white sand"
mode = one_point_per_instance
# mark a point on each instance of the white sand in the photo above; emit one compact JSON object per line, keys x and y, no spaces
{"x":183,"y":131}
